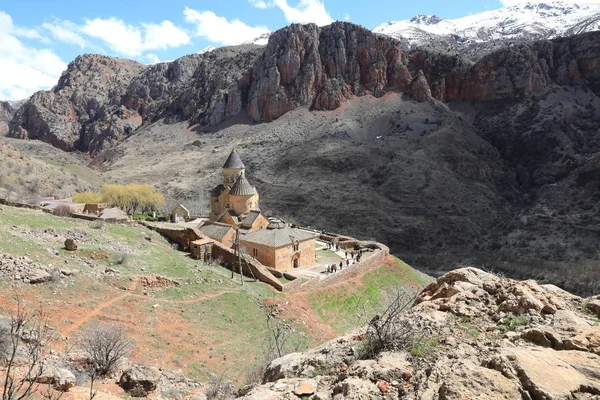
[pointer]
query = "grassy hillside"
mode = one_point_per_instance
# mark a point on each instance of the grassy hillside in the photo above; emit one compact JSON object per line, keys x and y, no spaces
{"x":206,"y":323}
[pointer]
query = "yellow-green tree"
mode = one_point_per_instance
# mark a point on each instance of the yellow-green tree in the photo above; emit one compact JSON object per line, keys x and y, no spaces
{"x":133,"y":197}
{"x":87,"y":197}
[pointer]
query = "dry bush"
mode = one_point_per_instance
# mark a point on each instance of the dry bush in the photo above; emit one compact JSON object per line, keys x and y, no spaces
{"x":390,"y":330}
{"x":220,"y":388}
{"x":105,"y":346}
{"x":23,"y":340}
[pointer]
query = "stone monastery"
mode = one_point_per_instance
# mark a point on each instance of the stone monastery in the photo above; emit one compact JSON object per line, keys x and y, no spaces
{"x":235,"y":210}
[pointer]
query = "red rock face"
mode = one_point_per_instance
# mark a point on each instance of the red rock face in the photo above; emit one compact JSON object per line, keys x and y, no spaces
{"x":305,"y":65}
{"x":101,"y":100}
{"x":512,"y":71}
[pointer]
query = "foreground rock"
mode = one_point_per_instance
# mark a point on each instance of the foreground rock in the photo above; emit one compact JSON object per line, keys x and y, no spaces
{"x":61,"y":379}
{"x":484,"y":337}
{"x":140,"y":380}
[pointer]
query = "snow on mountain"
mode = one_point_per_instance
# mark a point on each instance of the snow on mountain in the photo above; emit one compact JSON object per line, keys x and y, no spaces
{"x":262,"y":40}
{"x":525,"y":21}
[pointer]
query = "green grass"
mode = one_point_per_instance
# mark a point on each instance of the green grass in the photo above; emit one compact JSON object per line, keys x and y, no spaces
{"x":469,"y":328}
{"x":80,"y":171}
{"x":218,"y":312}
{"x":512,"y":322}
{"x":342,"y":306}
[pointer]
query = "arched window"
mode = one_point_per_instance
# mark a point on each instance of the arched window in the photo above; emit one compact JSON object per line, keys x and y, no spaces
{"x":296,"y":245}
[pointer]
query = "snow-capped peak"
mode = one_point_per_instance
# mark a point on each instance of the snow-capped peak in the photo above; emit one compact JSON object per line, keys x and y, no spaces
{"x":262,"y":40}
{"x":425,"y":19}
{"x":532,"y":20}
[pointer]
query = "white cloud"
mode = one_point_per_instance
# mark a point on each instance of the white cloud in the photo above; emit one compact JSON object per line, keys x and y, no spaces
{"x":152,"y":58}
{"x":346,"y":17}
{"x":220,"y":30}
{"x":262,"y":4}
{"x":131,"y":40}
{"x":508,"y":3}
{"x":305,"y":11}
{"x":24,"y":69}
{"x":65,"y":31}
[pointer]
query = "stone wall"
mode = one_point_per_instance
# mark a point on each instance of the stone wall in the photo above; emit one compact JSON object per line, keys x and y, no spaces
{"x":250,"y":267}
{"x":17,"y":204}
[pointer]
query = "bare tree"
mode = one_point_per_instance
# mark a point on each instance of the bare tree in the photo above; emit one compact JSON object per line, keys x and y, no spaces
{"x":25,"y":335}
{"x":105,"y":346}
{"x":389,"y":330}
{"x":279,"y":341}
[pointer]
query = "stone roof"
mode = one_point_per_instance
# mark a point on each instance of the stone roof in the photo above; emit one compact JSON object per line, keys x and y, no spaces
{"x":242,"y":187}
{"x":250,"y":218}
{"x":234,"y":161}
{"x":215,"y":230}
{"x":113,"y":213}
{"x":278,"y":237}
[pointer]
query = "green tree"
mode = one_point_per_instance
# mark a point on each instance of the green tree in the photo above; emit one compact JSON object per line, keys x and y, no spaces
{"x":87,"y":197}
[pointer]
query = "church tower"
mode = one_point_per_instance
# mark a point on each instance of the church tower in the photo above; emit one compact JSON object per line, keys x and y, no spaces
{"x":235,"y":196}
{"x":232,"y":169}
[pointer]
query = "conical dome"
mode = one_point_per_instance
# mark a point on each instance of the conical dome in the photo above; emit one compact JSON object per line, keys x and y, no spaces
{"x":234,"y":161}
{"x":242,"y":187}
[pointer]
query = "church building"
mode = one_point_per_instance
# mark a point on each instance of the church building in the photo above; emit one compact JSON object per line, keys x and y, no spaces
{"x":235,"y":201}
{"x":234,"y":207}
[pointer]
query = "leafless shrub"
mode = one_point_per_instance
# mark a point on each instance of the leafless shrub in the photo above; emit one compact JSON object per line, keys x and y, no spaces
{"x":55,"y":275}
{"x":97,"y":224}
{"x":220,"y":388}
{"x":279,"y":341}
{"x":25,"y":336}
{"x":105,"y":346}
{"x":389,"y":330}
{"x":122,"y":258}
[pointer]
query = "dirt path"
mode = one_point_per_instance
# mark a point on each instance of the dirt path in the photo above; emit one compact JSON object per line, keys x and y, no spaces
{"x":98,"y":310}
{"x":94,"y":313}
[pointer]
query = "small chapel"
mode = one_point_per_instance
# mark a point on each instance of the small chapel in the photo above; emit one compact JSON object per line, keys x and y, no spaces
{"x":235,"y":199}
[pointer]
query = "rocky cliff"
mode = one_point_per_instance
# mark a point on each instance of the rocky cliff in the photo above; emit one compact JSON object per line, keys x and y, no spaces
{"x":84,"y":109}
{"x":99,"y":100}
{"x":471,"y":335}
{"x":6,"y":114}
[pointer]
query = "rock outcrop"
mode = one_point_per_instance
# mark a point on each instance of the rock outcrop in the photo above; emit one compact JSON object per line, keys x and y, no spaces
{"x":99,"y":101}
{"x":84,"y":109}
{"x":140,"y":380}
{"x":512,"y":71}
{"x":481,"y":336}
{"x":6,"y":113}
{"x":308,"y":66}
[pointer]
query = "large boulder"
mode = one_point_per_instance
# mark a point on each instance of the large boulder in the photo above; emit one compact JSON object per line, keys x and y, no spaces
{"x":39,"y":276}
{"x":61,"y":379}
{"x":139,"y":380}
{"x":549,"y":374}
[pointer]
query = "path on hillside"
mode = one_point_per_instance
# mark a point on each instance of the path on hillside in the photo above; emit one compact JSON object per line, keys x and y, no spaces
{"x":98,"y":309}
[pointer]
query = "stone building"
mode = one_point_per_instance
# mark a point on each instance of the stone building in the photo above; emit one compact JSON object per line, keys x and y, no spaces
{"x":222,"y":233}
{"x":281,"y":247}
{"x":235,"y":198}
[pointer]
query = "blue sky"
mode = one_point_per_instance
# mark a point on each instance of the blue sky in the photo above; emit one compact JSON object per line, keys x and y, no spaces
{"x":39,"y":37}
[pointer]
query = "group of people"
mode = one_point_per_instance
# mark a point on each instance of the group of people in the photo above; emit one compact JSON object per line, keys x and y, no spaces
{"x":334,"y":267}
{"x":333,"y":246}
{"x":354,"y":258}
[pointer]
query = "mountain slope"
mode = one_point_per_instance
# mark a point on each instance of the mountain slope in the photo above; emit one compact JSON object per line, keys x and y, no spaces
{"x":475,"y":35}
{"x":448,"y":161}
